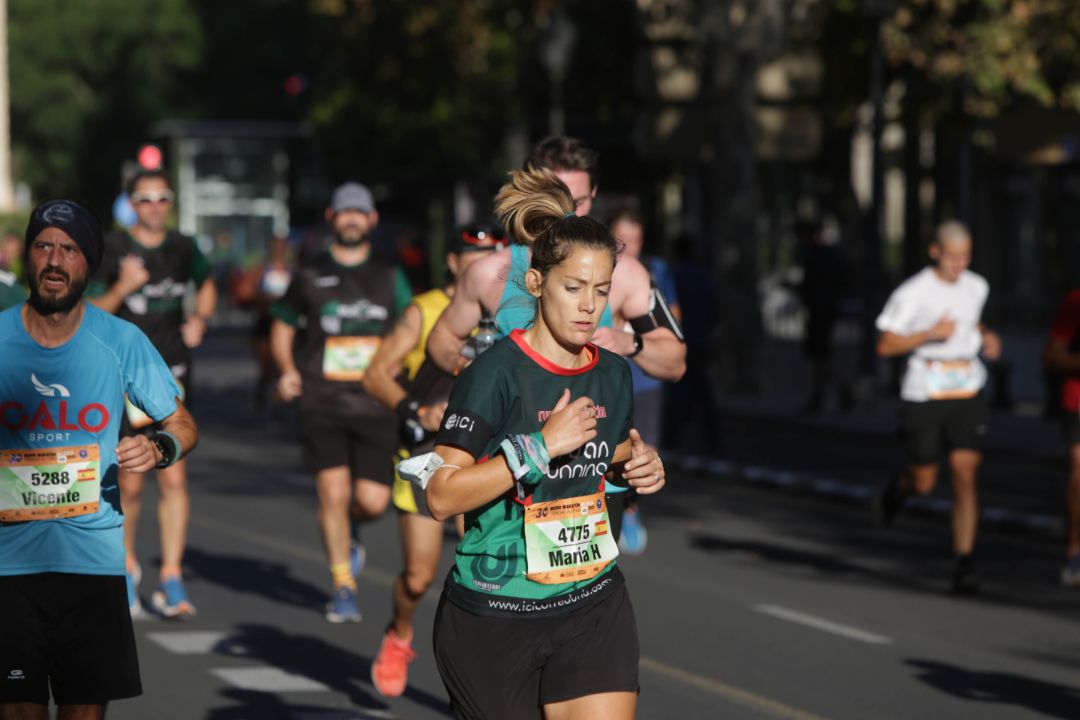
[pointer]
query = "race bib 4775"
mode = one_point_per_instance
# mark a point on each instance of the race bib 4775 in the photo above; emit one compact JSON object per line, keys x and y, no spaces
{"x":568,"y":540}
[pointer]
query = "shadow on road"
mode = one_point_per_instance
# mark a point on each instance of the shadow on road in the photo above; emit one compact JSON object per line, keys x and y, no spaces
{"x":1047,"y":699}
{"x":252,"y":705}
{"x":250,"y":576}
{"x":825,"y":563}
{"x":857,"y":549}
{"x":341,"y":671}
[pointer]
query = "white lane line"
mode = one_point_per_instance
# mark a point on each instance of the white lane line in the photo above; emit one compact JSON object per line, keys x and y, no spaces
{"x":187,"y":643}
{"x":730,"y":693}
{"x":268,"y":679}
{"x":852,"y":633}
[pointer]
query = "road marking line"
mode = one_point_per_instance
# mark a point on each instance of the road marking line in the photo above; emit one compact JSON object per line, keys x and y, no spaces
{"x":852,"y":633}
{"x":187,"y":643}
{"x":268,"y":679}
{"x":735,"y":695}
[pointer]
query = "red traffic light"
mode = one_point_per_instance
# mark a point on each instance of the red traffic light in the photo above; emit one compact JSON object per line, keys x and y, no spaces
{"x":295,"y":84}
{"x":149,"y":157}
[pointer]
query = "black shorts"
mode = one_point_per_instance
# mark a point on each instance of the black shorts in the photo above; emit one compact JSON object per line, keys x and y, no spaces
{"x":510,"y":667}
{"x":934,"y":426}
{"x":366,"y":445}
{"x":69,"y":632}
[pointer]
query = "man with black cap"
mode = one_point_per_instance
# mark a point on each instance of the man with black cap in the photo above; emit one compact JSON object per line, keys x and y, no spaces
{"x":67,"y":367}
{"x":143,"y":279}
{"x":349,"y":300}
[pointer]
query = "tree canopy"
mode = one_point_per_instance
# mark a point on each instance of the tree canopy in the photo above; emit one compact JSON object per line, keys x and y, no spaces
{"x":86,"y":80}
{"x":1001,"y":50}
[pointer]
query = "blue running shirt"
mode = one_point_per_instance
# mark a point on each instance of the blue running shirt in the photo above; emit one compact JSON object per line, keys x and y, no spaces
{"x":72,"y":396}
{"x":517,"y":308}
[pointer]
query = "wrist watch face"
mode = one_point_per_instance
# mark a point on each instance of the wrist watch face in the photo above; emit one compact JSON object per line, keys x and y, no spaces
{"x":161,"y":449}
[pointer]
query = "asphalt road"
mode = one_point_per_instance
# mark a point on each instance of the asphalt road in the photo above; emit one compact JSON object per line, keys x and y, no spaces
{"x":750,"y":603}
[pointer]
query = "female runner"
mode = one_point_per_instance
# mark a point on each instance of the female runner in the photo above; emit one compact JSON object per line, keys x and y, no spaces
{"x":535,"y":620}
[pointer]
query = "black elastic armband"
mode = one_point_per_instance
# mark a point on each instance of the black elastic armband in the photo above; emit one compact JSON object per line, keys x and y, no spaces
{"x":639,"y":344}
{"x":168,"y":446}
{"x":659,"y":315}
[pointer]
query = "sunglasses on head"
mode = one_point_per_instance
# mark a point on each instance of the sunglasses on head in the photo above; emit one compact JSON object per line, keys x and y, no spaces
{"x":152,"y":196}
{"x":477,"y":239}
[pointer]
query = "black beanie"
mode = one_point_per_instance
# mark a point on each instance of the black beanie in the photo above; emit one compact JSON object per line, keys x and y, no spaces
{"x":80,"y":223}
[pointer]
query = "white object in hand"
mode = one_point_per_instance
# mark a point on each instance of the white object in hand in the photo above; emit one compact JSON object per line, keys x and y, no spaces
{"x":419,"y":469}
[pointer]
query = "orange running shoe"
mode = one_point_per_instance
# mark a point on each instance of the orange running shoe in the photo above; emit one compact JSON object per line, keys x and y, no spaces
{"x":390,"y":671}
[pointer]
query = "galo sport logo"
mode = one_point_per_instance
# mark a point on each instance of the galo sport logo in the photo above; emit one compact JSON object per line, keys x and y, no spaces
{"x":49,"y":390}
{"x":52,"y":415}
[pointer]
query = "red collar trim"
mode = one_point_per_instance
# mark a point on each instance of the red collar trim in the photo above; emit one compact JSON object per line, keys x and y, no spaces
{"x":551,"y":367}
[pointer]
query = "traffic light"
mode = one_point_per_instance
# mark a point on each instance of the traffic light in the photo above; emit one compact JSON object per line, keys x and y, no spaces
{"x":149,"y":157}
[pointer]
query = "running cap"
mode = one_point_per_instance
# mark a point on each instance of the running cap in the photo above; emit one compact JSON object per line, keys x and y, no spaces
{"x":352,"y":196}
{"x":79,"y":222}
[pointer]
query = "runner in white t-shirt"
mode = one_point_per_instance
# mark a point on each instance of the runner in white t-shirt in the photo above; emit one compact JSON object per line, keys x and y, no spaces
{"x":935,"y":317}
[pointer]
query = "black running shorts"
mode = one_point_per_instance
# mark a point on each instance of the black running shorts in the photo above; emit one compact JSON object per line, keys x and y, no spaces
{"x":936,"y":426}
{"x":510,"y":667}
{"x":71,"y":633}
{"x":365,"y":445}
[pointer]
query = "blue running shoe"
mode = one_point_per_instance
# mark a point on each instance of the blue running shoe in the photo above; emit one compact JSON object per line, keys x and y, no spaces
{"x":132,"y":578}
{"x":342,"y":606}
{"x":634,"y":538}
{"x":357,"y":558}
{"x":171,"y":599}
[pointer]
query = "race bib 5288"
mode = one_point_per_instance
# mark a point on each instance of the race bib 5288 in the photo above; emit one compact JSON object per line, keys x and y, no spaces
{"x":45,"y":483}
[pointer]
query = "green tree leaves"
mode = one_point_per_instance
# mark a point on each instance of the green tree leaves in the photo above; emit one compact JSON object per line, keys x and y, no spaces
{"x":88,"y":77}
{"x":1000,"y":49}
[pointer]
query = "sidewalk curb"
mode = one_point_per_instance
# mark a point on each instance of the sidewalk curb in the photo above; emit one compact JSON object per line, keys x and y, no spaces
{"x":839,"y":491}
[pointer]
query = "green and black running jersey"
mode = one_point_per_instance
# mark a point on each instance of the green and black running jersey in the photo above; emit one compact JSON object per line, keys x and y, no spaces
{"x":346,"y":310}
{"x":511,"y":389}
{"x":157,"y":308}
